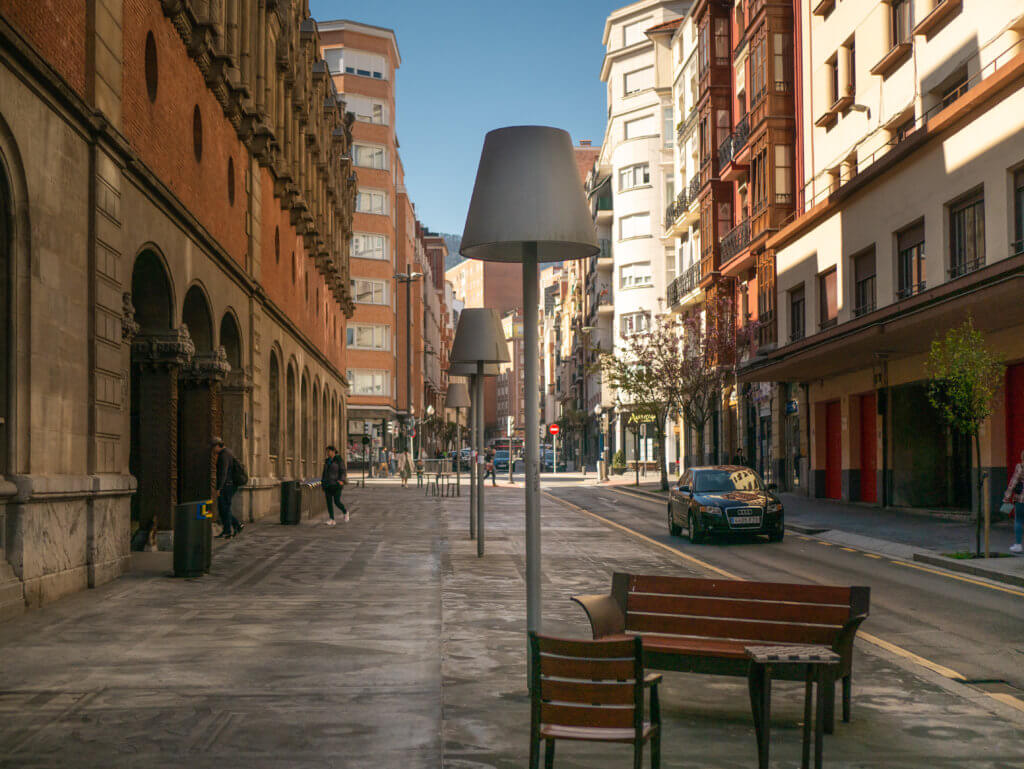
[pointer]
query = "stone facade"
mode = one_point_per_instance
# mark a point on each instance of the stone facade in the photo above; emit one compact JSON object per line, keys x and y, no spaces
{"x":176,"y":202}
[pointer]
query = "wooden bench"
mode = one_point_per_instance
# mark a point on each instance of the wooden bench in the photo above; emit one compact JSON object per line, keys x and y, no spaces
{"x":704,"y":625}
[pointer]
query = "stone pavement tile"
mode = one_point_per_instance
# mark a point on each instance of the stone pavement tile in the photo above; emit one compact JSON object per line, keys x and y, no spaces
{"x":900,"y":720}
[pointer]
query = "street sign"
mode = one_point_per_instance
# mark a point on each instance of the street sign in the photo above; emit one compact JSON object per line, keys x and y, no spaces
{"x":553,"y":429}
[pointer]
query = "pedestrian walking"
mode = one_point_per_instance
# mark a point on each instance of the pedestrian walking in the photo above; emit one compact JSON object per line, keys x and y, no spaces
{"x":382,"y":469}
{"x":739,"y":459}
{"x":1015,"y":494}
{"x":333,"y":479}
{"x":404,"y":467}
{"x":230,"y":475}
{"x":489,"y":467}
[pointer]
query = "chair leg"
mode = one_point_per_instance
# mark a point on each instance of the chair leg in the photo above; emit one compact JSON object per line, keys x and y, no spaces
{"x":830,"y":705}
{"x":549,"y":754}
{"x":847,"y":697}
{"x":656,"y":750}
{"x":638,"y":755}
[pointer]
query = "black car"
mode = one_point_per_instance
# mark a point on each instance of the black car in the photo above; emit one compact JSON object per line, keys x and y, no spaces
{"x":722,"y":499}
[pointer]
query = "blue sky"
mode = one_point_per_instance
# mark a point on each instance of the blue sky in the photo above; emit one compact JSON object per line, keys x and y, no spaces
{"x":472,"y":65}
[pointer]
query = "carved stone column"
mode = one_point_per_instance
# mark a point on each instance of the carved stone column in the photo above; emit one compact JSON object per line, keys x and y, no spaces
{"x":157,"y":360}
{"x":200,"y":420}
{"x":235,"y":389}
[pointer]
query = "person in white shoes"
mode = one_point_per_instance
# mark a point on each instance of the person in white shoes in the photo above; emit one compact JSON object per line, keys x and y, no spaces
{"x":1015,"y":493}
{"x":333,"y":479}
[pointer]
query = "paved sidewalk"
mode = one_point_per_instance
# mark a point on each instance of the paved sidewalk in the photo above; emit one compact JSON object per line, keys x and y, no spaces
{"x":387,"y":643}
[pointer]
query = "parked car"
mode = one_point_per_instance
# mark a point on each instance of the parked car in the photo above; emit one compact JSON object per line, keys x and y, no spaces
{"x":722,"y":499}
{"x":547,"y":462}
{"x":501,"y":461}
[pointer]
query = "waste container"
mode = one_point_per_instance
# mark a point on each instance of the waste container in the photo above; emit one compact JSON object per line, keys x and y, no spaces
{"x":291,"y":500}
{"x":193,"y":537}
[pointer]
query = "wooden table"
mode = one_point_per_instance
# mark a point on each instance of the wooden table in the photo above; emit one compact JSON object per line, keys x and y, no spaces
{"x":821,"y":667}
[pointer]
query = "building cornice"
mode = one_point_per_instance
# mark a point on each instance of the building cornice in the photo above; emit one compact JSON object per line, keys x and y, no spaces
{"x":347,"y":25}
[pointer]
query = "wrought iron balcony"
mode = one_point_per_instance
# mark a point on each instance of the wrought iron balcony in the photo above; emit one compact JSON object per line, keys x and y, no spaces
{"x":676,"y":207}
{"x":734,"y":142}
{"x":694,"y":189}
{"x":735,"y":241}
{"x":683,"y":284}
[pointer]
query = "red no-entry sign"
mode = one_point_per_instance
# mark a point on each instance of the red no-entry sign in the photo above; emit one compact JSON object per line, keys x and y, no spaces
{"x":553,"y":429}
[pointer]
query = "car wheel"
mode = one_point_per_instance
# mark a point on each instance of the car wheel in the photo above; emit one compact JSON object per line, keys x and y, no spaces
{"x":695,"y":535}
{"x":673,"y":529}
{"x":777,"y":535}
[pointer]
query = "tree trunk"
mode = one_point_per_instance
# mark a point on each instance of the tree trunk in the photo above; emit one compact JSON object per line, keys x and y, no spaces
{"x":700,"y":445}
{"x":662,"y":438}
{"x":981,"y":502}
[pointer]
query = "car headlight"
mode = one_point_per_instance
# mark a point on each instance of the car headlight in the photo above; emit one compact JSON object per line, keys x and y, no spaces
{"x":774,"y":507}
{"x":710,"y":509}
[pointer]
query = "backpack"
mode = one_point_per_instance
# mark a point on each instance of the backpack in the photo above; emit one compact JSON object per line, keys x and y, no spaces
{"x":239,"y":475}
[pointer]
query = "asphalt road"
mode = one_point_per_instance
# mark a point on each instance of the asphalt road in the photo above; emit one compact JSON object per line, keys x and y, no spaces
{"x":975,"y":630}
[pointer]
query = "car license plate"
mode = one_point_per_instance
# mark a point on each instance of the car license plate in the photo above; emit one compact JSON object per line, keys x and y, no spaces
{"x":745,"y":520}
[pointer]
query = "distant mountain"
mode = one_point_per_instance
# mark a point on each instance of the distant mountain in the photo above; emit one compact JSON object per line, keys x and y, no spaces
{"x":453,"y":242}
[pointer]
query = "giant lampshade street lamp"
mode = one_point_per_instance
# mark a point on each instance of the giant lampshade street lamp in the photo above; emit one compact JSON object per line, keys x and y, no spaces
{"x":469,"y":370}
{"x":479,"y":339}
{"x":528,"y":206}
{"x":457,"y":397}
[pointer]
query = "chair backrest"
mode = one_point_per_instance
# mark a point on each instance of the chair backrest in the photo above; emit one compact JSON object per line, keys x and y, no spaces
{"x":746,"y":611}
{"x":587,"y":683}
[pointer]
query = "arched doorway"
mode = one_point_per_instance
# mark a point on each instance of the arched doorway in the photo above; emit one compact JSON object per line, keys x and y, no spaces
{"x":6,"y":360}
{"x":234,"y":390}
{"x":305,"y":424}
{"x":292,"y":466}
{"x":199,"y":405}
{"x":276,"y":451}
{"x":159,"y":353}
{"x":315,"y":446}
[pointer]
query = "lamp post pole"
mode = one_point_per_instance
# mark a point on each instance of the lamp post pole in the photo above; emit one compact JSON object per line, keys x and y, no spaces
{"x":408,"y":355}
{"x":458,"y":454}
{"x":474,"y":408}
{"x":531,"y":438}
{"x":479,"y":399}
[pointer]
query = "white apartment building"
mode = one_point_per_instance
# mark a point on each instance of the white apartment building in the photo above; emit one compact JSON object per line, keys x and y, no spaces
{"x":910,"y":219}
{"x":637,"y":155}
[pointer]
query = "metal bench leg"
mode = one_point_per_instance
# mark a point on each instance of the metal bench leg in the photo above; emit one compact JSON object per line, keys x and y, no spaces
{"x":805,"y":756}
{"x":830,"y":705}
{"x":847,"y":697}
{"x":826,"y":694}
{"x":638,"y":755}
{"x":759,"y":682}
{"x":549,"y":754}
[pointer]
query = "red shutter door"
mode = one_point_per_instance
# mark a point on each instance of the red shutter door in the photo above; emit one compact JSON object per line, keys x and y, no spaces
{"x":1014,"y":416}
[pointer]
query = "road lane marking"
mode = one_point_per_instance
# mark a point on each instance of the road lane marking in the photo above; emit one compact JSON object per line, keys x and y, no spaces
{"x":1011,"y":591}
{"x":862,"y":635}
{"x":826,"y":544}
{"x":848,"y":549}
{"x":872,"y":555}
{"x":1007,"y":699}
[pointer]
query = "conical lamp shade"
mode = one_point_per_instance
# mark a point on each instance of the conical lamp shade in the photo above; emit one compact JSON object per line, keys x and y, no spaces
{"x":528,"y":189}
{"x":469,"y":369}
{"x":479,"y":337}
{"x":457,"y":396}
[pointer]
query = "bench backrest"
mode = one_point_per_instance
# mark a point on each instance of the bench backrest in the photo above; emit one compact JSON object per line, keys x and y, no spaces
{"x":746,"y":611}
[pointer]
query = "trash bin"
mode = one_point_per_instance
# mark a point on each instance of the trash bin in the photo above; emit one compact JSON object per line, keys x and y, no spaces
{"x":193,"y":537}
{"x":291,"y":499}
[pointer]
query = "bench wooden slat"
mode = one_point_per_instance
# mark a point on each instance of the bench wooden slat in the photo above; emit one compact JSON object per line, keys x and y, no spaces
{"x":727,"y":588}
{"x":571,"y":715}
{"x":603,"y":649}
{"x":731,"y":629}
{"x":588,"y":670}
{"x":588,"y":693}
{"x":775,"y":611}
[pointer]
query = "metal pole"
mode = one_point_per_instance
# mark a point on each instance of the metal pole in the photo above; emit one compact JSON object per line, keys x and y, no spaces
{"x":408,"y":356}
{"x":473,"y":408}
{"x":532,"y":438}
{"x":458,"y":454}
{"x":480,"y":449}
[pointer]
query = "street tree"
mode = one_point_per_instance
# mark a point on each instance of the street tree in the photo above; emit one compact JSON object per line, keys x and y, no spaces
{"x":963,"y":379}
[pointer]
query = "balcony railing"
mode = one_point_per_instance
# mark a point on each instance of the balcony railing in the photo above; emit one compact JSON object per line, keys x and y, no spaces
{"x":683,"y":284}
{"x":963,"y":266}
{"x":694,"y":189}
{"x":676,"y":207}
{"x":904,"y":292}
{"x":735,"y":241}
{"x":734,"y":142}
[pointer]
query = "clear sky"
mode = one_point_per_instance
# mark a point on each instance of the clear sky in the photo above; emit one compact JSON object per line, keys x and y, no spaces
{"x":472,"y":65}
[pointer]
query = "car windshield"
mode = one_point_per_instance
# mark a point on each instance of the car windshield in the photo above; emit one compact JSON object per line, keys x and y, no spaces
{"x":707,"y":481}
{"x":501,"y":455}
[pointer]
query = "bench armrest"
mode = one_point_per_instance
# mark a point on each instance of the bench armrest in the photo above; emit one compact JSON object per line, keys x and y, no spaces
{"x":605,"y":616}
{"x":844,"y":642}
{"x":652,"y":679}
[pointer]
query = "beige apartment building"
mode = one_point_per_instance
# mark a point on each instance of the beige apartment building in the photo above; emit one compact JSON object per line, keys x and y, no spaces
{"x":909,"y":219}
{"x":384,"y":379}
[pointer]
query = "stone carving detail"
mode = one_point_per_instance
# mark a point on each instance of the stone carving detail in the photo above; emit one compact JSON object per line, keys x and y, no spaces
{"x":207,"y":367}
{"x":238,"y":380}
{"x":164,"y":350}
{"x":129,"y":326}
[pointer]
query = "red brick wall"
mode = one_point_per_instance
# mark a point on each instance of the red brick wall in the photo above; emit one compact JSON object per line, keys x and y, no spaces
{"x":56,"y":29}
{"x":161,"y":131}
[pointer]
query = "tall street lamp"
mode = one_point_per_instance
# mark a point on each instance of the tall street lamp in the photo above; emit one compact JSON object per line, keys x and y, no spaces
{"x":528,"y":206}
{"x":479,"y":339}
{"x":457,"y":398}
{"x":603,"y":474}
{"x":407,"y":278}
{"x":469,"y":370}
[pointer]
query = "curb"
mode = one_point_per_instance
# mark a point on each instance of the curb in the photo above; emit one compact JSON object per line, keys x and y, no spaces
{"x":951,"y":564}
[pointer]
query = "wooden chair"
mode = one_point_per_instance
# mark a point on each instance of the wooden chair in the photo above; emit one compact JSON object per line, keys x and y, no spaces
{"x":591,"y":691}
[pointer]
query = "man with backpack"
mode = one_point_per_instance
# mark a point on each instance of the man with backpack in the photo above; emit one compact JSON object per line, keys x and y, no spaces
{"x":332,"y":479}
{"x":231,"y":475}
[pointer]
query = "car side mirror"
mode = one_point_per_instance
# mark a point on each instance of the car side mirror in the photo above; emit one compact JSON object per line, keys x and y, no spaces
{"x":684,"y":488}
{"x":773,"y":487}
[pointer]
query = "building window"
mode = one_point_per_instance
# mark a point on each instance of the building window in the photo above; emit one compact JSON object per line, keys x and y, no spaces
{"x":152,"y":77}
{"x":635,"y":323}
{"x":367,"y":245}
{"x":342,"y":61}
{"x":634,"y":176}
{"x":636,"y":275}
{"x":638,"y":80}
{"x":864,"y":282}
{"x":634,"y":33}
{"x":967,"y":235}
{"x":833,"y":76}
{"x":369,"y":382}
{"x":369,"y":156}
{"x":783,"y":175}
{"x":900,"y":21}
{"x":797,"y":319}
{"x":828,"y":304}
{"x":782,"y":57}
{"x":197,"y":133}
{"x":372,"y":202}
{"x":1018,"y":212}
{"x":277,"y":245}
{"x":759,"y":179}
{"x":910,"y":261}
{"x":231,"y":181}
{"x":758,"y":69}
{"x":635,"y":226}
{"x":703,"y":49}
{"x":721,"y":40}
{"x":361,"y":336}
{"x":369,"y":291}
{"x":667,"y":130}
{"x":365,"y":109}
{"x":643,"y":126}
